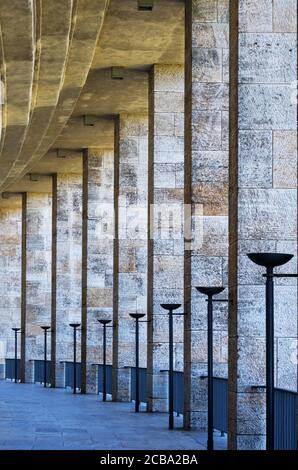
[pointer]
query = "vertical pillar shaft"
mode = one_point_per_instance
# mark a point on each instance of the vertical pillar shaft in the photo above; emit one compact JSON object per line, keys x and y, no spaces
{"x":263,"y":181}
{"x":23,"y":287}
{"x":269,"y":360}
{"x":130,"y":249}
{"x":137,"y":407}
{"x":97,"y":257}
{"x":38,"y":276}
{"x":53,"y":280}
{"x":15,"y":356}
{"x":171,"y":370}
{"x":165,"y":229}
{"x":206,"y":193}
{"x":45,"y":359}
{"x":69,"y":266}
{"x":210,"y":374}
{"x":10,"y":278}
{"x":104,"y":395}
{"x":84,"y":272}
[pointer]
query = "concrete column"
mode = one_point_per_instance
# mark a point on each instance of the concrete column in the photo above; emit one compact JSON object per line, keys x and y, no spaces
{"x":38,"y":276}
{"x":54,"y":280}
{"x":97,"y":259}
{"x":69,"y":268}
{"x":206,"y":193}
{"x":130,"y":254}
{"x":23,"y":288}
{"x":263,"y":204}
{"x":165,"y":243}
{"x":10,"y":276}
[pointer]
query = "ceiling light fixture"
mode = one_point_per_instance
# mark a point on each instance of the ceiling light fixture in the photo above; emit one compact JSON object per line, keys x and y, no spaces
{"x":6,"y":195}
{"x":117,"y":73}
{"x":61,"y":153}
{"x":145,"y":5}
{"x":89,"y":120}
{"x":33,"y":177}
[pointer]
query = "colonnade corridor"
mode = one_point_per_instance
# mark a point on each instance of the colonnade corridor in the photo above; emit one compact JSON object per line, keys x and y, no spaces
{"x":148,"y":227}
{"x":59,"y":421}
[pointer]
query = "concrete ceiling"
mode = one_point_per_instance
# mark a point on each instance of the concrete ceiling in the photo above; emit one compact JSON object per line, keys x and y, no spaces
{"x":51,"y":82}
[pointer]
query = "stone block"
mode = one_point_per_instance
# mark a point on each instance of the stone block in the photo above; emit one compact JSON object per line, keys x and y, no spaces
{"x":285,"y":16}
{"x":251,"y":361}
{"x":168,"y":102}
{"x":255,"y":159}
{"x":255,"y":15}
{"x":168,"y":78}
{"x":204,"y":10}
{"x":261,"y":214}
{"x":223,"y":11}
{"x":210,"y":35}
{"x":210,"y":96}
{"x":284,"y":159}
{"x":265,"y":106}
{"x":267,"y":58}
{"x":207,"y":65}
{"x":206,"y":271}
{"x":164,"y":124}
{"x":206,"y":128}
{"x":286,"y":366}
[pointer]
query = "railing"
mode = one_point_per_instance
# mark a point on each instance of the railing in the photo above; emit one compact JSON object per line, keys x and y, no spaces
{"x":39,"y":371}
{"x":285,"y":420}
{"x":108,"y":379}
{"x":10,"y":369}
{"x":285,"y":414}
{"x":220,"y":404}
{"x":142,"y":384}
{"x":178,"y":379}
{"x":69,"y":374}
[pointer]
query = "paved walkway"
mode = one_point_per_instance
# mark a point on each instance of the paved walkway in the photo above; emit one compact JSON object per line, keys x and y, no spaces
{"x":34,"y":418}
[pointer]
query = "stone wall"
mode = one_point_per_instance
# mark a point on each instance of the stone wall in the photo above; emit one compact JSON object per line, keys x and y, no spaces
{"x":69,"y":267}
{"x":130,"y":269}
{"x":206,"y":191}
{"x":263,"y":201}
{"x":38,"y":276}
{"x":97,"y":266}
{"x":165,"y":245}
{"x":10,"y":279}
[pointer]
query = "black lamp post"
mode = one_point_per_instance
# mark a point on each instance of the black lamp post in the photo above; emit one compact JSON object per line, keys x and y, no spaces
{"x":137,"y":317}
{"x":45,"y":329}
{"x":75,"y":326}
{"x":210,"y":292}
{"x":171,"y":308}
{"x":270,"y":261}
{"x":104,"y":323}
{"x":16,"y":330}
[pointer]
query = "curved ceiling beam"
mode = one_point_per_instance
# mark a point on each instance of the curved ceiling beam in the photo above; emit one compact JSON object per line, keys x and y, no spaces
{"x":17,"y":30}
{"x":43,"y":126}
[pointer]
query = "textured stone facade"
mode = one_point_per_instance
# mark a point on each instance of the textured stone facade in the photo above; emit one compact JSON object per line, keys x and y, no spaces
{"x":263,"y":202}
{"x":10,"y":279}
{"x":130,"y":256}
{"x":97,"y":263}
{"x":166,"y":215}
{"x":38,"y":276}
{"x":68,"y":268}
{"x":206,"y":190}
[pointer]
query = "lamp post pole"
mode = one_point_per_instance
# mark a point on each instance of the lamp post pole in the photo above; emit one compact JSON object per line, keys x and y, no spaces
{"x":137,"y":317}
{"x":16,"y":330}
{"x":74,"y":326}
{"x":104,"y":323}
{"x":45,"y":329}
{"x":210,"y":292}
{"x":270,"y":261}
{"x":171,"y":308}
